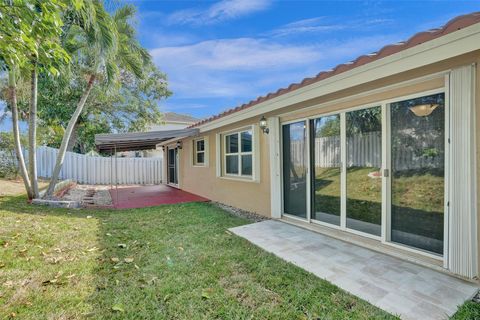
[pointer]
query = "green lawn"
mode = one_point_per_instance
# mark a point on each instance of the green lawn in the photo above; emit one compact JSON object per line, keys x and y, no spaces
{"x":418,"y":191}
{"x":417,"y":198}
{"x":169,"y":262}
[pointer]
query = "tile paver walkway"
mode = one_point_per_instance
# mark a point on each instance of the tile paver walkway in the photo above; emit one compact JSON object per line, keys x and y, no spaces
{"x":399,"y":287}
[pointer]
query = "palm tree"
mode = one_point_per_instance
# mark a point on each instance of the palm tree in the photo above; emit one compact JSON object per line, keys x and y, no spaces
{"x":102,"y":48}
{"x":12,"y":88}
{"x":29,"y":40}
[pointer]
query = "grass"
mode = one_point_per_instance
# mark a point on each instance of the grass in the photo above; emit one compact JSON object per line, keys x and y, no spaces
{"x":416,"y":191}
{"x":167,"y":262}
{"x":16,"y":187}
{"x":415,"y":195}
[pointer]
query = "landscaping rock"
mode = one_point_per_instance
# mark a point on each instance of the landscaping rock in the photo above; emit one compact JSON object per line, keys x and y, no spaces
{"x":241,"y":213}
{"x":56,"y":203}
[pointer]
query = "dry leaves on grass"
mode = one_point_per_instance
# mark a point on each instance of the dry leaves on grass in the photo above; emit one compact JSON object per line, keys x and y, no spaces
{"x":118,"y":308}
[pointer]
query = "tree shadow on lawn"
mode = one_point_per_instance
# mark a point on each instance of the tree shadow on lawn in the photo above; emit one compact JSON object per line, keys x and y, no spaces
{"x":173,"y":261}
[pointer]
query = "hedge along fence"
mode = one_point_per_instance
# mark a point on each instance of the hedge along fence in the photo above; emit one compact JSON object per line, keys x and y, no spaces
{"x":99,"y":170}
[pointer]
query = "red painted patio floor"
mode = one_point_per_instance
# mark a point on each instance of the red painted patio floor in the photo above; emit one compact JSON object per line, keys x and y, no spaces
{"x":149,"y":196}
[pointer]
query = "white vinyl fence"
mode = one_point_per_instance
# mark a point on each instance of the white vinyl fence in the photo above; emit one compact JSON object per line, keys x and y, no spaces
{"x":100,"y":170}
{"x":366,"y":151}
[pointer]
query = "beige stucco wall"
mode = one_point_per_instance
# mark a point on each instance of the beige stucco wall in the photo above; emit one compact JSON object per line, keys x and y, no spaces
{"x":254,"y":196}
{"x":248,"y":195}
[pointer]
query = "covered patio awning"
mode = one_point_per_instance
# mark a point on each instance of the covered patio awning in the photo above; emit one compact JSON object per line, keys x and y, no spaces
{"x":134,"y":141}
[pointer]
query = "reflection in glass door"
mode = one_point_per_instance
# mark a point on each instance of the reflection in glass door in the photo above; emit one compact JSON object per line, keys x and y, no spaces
{"x":326,"y":165}
{"x":364,"y":178}
{"x":337,"y":178}
{"x":418,"y":172}
{"x":295,"y":168}
{"x":172,"y":166}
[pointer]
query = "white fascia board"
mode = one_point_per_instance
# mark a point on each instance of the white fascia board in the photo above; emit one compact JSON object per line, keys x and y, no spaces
{"x":451,"y":45}
{"x":180,"y":122}
{"x":164,"y":143}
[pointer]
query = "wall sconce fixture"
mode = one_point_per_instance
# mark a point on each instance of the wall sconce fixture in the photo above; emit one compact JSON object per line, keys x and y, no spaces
{"x":179,"y":144}
{"x":264,"y":125}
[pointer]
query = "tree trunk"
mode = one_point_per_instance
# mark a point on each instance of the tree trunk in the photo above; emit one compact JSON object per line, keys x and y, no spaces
{"x":73,"y":138}
{"x":16,"y":133}
{"x":32,"y":133}
{"x":66,"y":137}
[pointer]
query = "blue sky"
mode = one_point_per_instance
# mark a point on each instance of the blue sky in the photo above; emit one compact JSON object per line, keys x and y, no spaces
{"x":220,"y":54}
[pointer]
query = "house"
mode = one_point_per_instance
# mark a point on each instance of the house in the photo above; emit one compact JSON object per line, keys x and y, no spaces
{"x":381,"y":151}
{"x":174,"y":121}
{"x":170,"y":121}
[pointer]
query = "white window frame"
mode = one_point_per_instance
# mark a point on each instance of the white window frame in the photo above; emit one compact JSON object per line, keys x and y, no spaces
{"x":195,"y":152}
{"x":222,"y":155}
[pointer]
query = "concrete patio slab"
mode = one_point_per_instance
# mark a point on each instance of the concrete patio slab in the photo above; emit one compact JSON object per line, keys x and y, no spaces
{"x":399,"y":287}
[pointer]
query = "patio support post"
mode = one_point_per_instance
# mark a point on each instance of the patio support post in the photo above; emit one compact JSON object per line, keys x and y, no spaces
{"x":116,"y":173}
{"x":111,"y":174}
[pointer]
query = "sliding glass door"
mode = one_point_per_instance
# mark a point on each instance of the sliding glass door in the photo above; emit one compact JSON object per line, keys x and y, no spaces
{"x":326,"y":166}
{"x":363,"y":170}
{"x":377,"y":171}
{"x":418,"y":172}
{"x":295,"y":168}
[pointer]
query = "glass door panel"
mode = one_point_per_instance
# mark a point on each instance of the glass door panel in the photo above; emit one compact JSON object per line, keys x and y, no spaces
{"x":172,"y":159}
{"x":418,"y":172}
{"x":295,"y":168}
{"x":364,"y":178}
{"x":326,"y":165}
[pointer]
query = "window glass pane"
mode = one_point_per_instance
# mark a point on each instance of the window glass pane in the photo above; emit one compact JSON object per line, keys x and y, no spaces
{"x":247,"y":165}
{"x":171,"y":156}
{"x":200,"y":158}
{"x":364,"y":178}
{"x":232,"y":143}
{"x":231,"y":164}
{"x":418,"y":172}
{"x":246,"y":141}
{"x":200,"y":145}
{"x":295,"y":161}
{"x":326,"y":169}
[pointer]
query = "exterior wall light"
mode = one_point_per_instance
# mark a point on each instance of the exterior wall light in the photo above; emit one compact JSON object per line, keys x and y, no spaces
{"x":163,"y":148}
{"x":264,"y":125}
{"x":179,"y":144}
{"x":423,"y":110}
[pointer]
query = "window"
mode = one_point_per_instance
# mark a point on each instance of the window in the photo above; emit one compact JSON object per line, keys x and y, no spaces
{"x":199,"y":152}
{"x":238,"y":154}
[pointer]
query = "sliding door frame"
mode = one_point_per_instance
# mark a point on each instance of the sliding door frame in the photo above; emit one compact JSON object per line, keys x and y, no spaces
{"x":385,"y":237}
{"x":387,"y":175}
{"x":308,"y":180}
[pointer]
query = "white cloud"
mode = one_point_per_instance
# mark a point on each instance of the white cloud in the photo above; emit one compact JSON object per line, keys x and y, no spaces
{"x":235,"y":54}
{"x":218,"y":12}
{"x":319,"y":24}
{"x":241,"y":69}
{"x":307,"y":25}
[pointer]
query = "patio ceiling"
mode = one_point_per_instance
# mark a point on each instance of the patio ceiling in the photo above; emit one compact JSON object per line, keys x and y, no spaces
{"x":134,"y":141}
